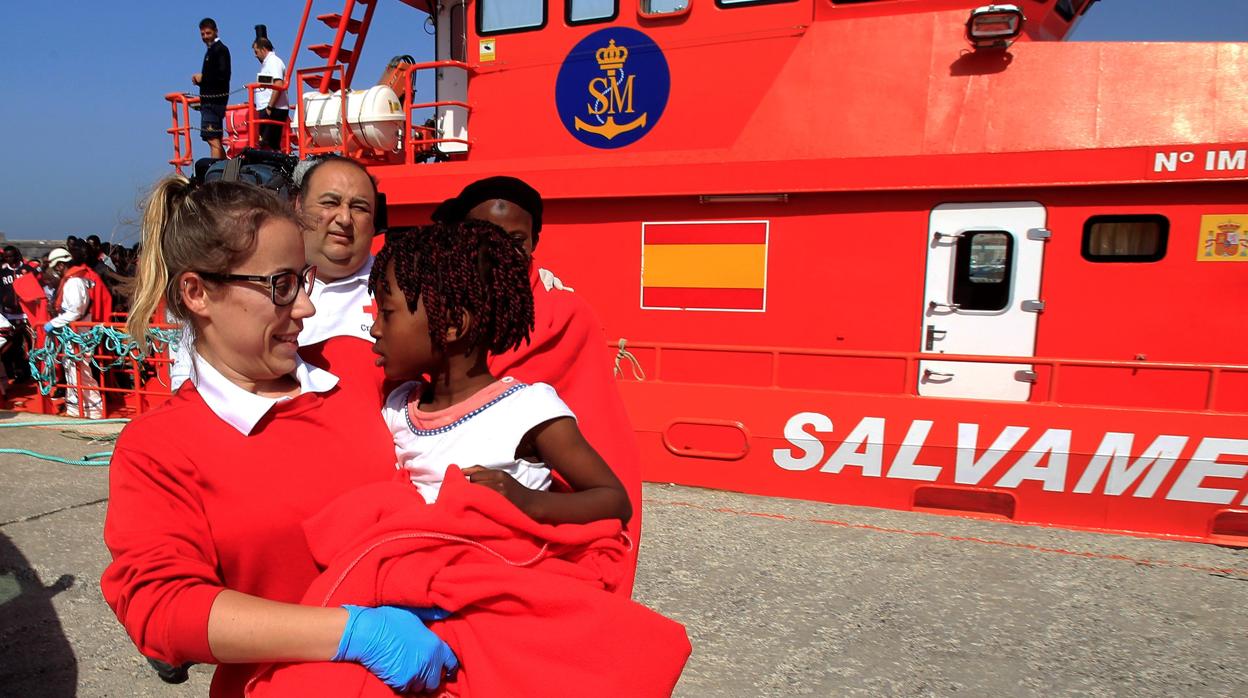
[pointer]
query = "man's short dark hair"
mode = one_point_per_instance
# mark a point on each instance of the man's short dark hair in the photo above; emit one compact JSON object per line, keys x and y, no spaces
{"x":263,"y":42}
{"x":208,"y":23}
{"x":93,"y":239}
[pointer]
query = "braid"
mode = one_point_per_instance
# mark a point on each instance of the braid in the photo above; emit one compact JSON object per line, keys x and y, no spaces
{"x":471,"y":267}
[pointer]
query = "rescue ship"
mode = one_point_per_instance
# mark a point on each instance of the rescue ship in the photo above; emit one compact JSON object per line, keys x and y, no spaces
{"x":912,"y":254}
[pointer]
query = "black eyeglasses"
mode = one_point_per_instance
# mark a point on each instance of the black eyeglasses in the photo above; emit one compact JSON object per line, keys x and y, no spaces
{"x":283,"y":286}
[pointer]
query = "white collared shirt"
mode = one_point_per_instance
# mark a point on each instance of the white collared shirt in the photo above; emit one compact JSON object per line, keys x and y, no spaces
{"x":275,"y":68}
{"x":344,"y":308}
{"x":242,"y":409}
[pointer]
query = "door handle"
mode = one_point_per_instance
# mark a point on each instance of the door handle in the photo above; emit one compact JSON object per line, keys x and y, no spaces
{"x":933,"y":306}
{"x":930,"y":376}
{"x":933,"y":335}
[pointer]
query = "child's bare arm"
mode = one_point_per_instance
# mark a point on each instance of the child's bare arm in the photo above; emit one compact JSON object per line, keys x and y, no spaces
{"x":597,"y":492}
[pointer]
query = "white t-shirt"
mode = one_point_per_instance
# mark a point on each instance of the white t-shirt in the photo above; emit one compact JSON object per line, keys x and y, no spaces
{"x":483,"y":430}
{"x":272,"y":67}
{"x":344,"y":308}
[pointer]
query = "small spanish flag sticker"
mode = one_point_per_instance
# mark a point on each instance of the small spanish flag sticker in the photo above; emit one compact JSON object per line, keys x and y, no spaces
{"x":711,"y":265}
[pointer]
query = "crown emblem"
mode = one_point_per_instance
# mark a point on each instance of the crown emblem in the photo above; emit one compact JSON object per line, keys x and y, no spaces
{"x":1229,"y":227}
{"x":611,"y":57}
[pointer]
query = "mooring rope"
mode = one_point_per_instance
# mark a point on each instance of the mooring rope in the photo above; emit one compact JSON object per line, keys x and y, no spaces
{"x":66,"y":344}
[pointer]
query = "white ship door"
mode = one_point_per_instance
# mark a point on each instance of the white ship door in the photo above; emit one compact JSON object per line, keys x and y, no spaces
{"x":982,"y":296}
{"x":452,"y":83}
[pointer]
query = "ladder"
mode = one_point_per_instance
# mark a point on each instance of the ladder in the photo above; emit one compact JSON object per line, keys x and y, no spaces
{"x":338,"y":55}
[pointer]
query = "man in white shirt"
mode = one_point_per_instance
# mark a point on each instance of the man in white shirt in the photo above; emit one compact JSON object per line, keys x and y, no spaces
{"x":336,"y":206}
{"x":72,"y":304}
{"x":271,"y":102}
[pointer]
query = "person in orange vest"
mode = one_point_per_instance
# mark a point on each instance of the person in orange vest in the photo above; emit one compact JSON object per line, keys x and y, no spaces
{"x":80,"y":297}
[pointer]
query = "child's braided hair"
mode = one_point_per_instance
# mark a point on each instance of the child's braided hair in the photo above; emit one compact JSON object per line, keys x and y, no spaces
{"x":473,"y":267}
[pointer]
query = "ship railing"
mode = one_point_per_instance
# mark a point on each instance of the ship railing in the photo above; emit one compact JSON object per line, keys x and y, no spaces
{"x":254,"y":122}
{"x":180,"y":104}
{"x":237,"y":117}
{"x":1047,"y":380}
{"x":348,"y":142}
{"x":129,"y":387}
{"x":420,"y":141}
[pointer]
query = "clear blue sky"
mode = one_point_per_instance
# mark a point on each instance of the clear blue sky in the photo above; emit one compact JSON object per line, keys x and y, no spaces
{"x":83,"y":120}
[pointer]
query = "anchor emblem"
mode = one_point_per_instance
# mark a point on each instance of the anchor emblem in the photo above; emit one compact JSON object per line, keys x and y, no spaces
{"x":610,"y":96}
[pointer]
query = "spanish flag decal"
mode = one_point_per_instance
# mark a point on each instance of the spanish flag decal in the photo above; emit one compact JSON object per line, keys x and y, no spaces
{"x":704,"y":265}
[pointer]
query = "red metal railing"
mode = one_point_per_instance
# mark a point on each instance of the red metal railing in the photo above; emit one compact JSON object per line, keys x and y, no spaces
{"x":347,"y":140}
{"x":254,"y":121}
{"x":910,"y":365}
{"x":422,"y":139}
{"x":415,"y":141}
{"x":149,"y":383}
{"x":181,"y":129}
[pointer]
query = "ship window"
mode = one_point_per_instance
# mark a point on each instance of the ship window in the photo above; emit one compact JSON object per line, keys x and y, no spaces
{"x":587,"y":11}
{"x":499,"y":16}
{"x":740,"y":3}
{"x":1133,"y":238}
{"x":983,"y":265}
{"x":663,"y":7}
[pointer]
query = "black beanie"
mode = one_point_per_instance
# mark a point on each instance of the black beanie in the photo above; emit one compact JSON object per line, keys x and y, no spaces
{"x":508,"y":189}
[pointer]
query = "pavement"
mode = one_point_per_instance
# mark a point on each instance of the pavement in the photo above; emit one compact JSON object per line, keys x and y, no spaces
{"x":780,"y":597}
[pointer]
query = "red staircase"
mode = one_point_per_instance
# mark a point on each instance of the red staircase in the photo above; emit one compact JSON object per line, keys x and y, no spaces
{"x":338,"y":54}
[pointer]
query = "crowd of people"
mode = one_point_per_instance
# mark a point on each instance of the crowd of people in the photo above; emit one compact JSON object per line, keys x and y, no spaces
{"x":81,"y":281}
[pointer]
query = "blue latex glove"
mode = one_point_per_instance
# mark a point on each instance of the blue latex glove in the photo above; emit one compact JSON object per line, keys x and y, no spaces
{"x":47,"y":326}
{"x":393,"y":643}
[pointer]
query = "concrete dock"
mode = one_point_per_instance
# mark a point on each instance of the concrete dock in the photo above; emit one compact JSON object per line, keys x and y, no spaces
{"x":780,"y":597}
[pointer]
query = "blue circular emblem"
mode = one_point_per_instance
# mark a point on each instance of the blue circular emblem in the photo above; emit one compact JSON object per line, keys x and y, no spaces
{"x":612,"y":88}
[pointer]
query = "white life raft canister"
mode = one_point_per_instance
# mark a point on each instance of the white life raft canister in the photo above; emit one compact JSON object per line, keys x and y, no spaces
{"x":375,"y":117}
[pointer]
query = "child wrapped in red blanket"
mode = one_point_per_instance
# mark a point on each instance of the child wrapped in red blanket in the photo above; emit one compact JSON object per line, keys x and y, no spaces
{"x":567,"y":348}
{"x":528,"y":577}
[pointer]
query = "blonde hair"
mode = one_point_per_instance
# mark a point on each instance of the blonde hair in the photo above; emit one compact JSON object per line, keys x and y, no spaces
{"x":189,"y":227}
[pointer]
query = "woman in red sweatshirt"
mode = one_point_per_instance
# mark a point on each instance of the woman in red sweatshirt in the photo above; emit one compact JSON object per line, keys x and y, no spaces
{"x":208,"y":493}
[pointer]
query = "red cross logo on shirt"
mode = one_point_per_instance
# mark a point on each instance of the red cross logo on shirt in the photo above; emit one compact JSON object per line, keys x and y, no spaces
{"x":371,"y":308}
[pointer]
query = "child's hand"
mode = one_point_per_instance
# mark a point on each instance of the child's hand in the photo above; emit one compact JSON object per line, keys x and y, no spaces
{"x":502,"y":483}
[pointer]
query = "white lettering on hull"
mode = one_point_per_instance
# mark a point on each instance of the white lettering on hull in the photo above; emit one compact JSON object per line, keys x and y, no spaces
{"x":1112,"y":470}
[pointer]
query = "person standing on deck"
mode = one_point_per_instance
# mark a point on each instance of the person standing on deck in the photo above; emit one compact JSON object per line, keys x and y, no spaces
{"x":214,"y":87}
{"x":271,"y":102}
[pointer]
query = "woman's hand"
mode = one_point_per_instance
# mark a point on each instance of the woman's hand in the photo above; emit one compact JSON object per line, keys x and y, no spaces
{"x":393,"y":643}
{"x":502,"y":483}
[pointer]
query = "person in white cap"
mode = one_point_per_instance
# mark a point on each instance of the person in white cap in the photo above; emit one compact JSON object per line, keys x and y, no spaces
{"x":73,"y":304}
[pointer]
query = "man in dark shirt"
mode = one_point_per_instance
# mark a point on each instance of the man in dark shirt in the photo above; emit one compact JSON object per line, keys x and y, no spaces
{"x":214,"y":86}
{"x":14,"y":351}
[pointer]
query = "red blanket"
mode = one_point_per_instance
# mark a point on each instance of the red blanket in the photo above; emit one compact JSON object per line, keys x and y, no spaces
{"x":568,"y":350}
{"x":31,"y":298}
{"x":532,"y":604}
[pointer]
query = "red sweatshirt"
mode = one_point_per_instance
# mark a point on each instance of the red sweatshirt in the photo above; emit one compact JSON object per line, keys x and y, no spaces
{"x":568,"y":350}
{"x":351,"y":359}
{"x":196,"y":506}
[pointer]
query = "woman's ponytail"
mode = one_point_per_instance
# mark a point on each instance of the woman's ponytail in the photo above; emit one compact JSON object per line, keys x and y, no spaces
{"x":151,"y":282}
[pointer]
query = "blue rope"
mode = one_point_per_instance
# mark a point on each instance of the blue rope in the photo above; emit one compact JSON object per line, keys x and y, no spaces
{"x":91,"y":460}
{"x":93,"y":422}
{"x":63,"y":343}
{"x":100,"y":459}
